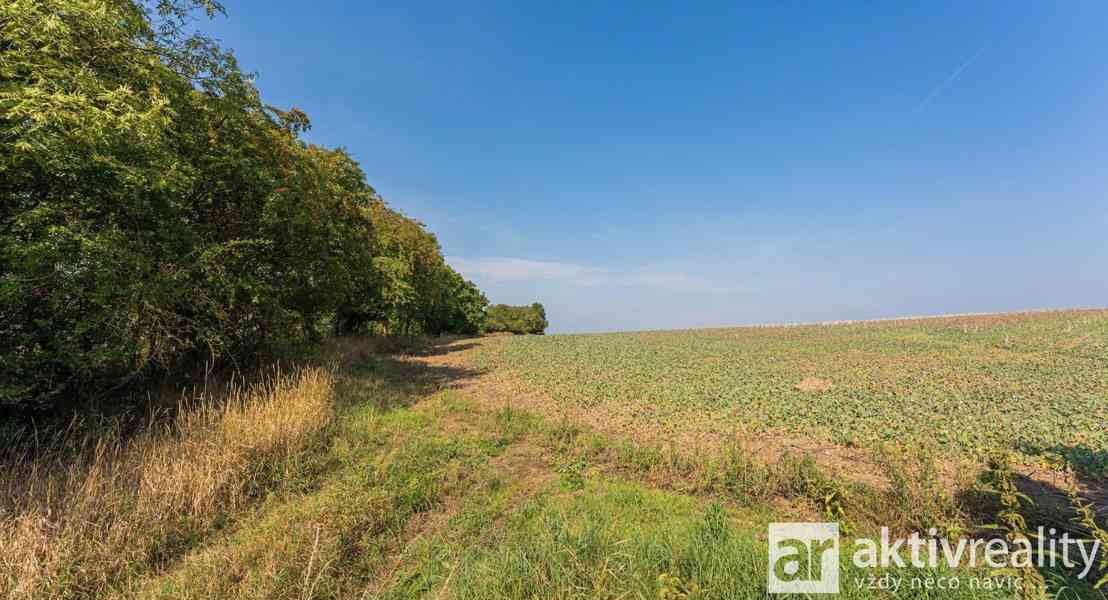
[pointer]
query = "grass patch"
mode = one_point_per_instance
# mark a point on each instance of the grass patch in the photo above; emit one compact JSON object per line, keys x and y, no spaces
{"x":614,"y":539}
{"x":81,"y":524}
{"x":331,"y":542}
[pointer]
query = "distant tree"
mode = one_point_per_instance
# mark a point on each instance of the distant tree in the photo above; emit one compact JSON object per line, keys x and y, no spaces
{"x":516,"y":319}
{"x":536,"y":322}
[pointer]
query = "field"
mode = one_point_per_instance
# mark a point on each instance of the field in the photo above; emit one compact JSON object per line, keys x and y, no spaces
{"x":638,"y":465}
{"x":965,"y":386}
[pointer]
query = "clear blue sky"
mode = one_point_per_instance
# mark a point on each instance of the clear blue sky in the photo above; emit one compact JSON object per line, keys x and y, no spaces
{"x":659,"y":165}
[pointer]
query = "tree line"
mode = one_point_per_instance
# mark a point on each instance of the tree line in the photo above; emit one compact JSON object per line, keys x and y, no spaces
{"x":155,"y":212}
{"x":516,"y":319}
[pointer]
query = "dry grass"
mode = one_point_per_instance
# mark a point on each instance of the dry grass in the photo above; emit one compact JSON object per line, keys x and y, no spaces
{"x":81,"y":526}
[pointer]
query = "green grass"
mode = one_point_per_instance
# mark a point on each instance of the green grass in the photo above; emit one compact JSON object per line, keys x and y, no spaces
{"x":419,"y":492}
{"x":1034,"y":382}
{"x":447,"y":499}
{"x":329,"y":540}
{"x":615,"y":539}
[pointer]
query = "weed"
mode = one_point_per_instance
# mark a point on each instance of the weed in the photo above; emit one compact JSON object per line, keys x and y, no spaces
{"x":741,"y":476}
{"x":1086,"y":517}
{"x":915,"y":492}
{"x":999,"y":476}
{"x":572,"y":474}
{"x":563,"y":435}
{"x":801,"y":477}
{"x":511,"y":424}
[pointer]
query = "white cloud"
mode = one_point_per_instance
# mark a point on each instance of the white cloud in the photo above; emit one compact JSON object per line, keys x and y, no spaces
{"x":500,"y":269}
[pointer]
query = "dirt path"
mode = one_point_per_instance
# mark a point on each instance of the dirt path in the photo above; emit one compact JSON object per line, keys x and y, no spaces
{"x":522,"y":463}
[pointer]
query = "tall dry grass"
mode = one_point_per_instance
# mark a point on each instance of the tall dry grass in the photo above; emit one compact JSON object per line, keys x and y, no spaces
{"x":81,"y":524}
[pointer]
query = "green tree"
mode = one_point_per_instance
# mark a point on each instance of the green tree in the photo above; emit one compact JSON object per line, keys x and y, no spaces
{"x":154,"y":211}
{"x":91,"y":186}
{"x":517,"y":319}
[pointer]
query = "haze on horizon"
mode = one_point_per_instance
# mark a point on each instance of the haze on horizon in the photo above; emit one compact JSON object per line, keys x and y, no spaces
{"x":656,"y":166}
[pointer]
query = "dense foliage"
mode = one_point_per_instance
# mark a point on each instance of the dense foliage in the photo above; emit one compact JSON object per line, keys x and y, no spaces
{"x":154,"y":211}
{"x":516,"y":319}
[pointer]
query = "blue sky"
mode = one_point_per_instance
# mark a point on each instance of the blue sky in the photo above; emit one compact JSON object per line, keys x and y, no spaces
{"x":659,"y":165}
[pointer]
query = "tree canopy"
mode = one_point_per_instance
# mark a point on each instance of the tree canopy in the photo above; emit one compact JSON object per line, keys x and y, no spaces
{"x":154,"y":211}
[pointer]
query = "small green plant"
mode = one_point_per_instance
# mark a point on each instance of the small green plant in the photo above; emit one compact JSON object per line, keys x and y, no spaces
{"x":511,"y":424}
{"x":738,"y":473}
{"x":563,"y":434}
{"x":572,"y":474}
{"x":802,"y":478}
{"x":915,"y":491}
{"x":1086,"y":517}
{"x":1000,"y":478}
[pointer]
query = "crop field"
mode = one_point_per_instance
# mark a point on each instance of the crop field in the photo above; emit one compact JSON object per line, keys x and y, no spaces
{"x":1032,"y":382}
